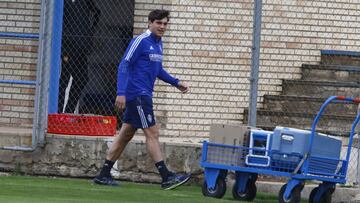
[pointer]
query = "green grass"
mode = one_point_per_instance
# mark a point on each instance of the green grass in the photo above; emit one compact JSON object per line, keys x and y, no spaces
{"x":21,"y":189}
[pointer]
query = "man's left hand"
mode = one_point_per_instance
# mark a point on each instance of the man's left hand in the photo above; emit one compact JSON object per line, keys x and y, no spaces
{"x":183,"y":87}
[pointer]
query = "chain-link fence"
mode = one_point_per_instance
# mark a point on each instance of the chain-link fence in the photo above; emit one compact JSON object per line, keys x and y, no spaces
{"x":308,"y":51}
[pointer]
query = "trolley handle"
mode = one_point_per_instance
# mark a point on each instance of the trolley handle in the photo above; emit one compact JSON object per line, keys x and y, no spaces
{"x":343,"y":98}
{"x":314,"y":124}
{"x":325,"y":104}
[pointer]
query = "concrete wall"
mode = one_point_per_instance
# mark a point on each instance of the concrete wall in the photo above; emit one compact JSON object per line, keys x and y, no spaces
{"x":80,"y":156}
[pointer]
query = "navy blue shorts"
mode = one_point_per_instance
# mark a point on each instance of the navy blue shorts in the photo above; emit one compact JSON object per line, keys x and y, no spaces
{"x":139,"y":112}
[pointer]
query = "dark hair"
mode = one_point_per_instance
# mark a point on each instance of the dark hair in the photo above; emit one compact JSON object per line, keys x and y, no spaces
{"x":158,"y":15}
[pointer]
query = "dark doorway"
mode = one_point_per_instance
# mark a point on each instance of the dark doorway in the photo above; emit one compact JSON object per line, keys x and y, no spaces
{"x":95,"y":36}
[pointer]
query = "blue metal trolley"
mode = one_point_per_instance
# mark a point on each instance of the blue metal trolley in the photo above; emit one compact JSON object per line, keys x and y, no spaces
{"x":260,"y":157}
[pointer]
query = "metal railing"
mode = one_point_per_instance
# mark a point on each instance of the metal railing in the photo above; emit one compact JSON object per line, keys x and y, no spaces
{"x":38,"y":135}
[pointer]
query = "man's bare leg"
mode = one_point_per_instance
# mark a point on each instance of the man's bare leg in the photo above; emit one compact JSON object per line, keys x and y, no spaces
{"x":169,"y":179}
{"x":152,"y":143}
{"x":121,"y":140}
{"x":117,"y":147}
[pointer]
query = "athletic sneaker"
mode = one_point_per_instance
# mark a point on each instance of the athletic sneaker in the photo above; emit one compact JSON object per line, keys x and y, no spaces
{"x":175,"y":181}
{"x":105,"y":181}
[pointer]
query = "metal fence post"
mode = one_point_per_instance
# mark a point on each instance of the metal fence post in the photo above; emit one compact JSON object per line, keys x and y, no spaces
{"x":358,"y":151}
{"x":254,"y":78}
{"x":44,"y":64}
{"x":55,"y":55}
{"x":358,"y":162}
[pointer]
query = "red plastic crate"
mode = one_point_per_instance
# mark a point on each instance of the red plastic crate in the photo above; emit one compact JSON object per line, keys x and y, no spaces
{"x":91,"y":125}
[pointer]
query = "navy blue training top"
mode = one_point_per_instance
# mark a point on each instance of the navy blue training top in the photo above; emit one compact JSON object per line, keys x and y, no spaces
{"x":140,"y":66}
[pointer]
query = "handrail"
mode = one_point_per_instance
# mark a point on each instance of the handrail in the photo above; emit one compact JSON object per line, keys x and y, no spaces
{"x":23,"y":82}
{"x":23,"y":36}
{"x":19,"y":35}
{"x":19,"y":82}
{"x":316,"y":120}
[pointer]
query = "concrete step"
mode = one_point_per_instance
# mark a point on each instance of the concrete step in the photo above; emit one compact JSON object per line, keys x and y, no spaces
{"x":335,"y":57}
{"x":306,"y":104}
{"x":331,"y":73}
{"x":11,"y":137}
{"x":332,"y":124}
{"x":320,"y":88}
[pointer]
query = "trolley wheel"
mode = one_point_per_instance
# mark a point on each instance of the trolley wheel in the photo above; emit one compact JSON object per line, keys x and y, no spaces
{"x":295,"y":196}
{"x":248,"y":195}
{"x":325,"y":198}
{"x":254,"y":178}
{"x":218,"y":191}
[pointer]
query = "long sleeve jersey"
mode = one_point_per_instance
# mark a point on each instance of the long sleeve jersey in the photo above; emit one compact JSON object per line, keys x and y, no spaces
{"x":140,"y":66}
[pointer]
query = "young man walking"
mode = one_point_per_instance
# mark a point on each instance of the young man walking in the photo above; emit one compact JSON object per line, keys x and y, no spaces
{"x":138,"y":70}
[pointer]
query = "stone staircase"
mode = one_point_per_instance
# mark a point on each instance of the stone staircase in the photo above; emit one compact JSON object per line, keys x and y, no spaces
{"x":337,"y":74}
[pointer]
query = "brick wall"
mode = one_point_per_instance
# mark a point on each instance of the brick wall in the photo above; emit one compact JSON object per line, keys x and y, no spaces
{"x":18,"y":61}
{"x":208,"y":44}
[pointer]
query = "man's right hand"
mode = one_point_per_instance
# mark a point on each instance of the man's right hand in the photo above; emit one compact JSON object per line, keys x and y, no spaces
{"x":120,"y":103}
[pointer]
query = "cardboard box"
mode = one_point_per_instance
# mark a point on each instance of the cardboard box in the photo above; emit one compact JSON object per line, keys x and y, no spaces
{"x":229,"y":135}
{"x":232,"y":137}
